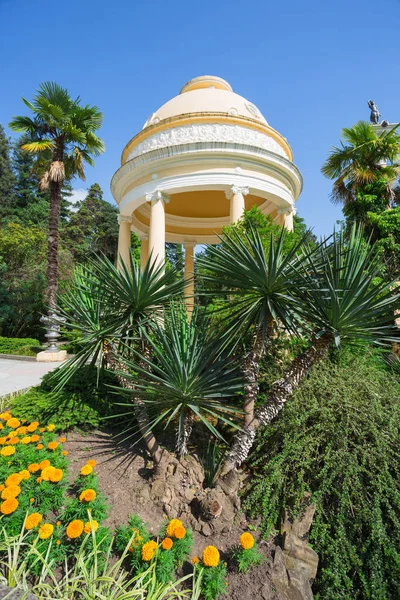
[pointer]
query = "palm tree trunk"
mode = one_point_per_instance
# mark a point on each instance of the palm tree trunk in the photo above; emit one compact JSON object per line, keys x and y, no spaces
{"x":116,"y":364}
{"x":280,"y":392}
{"x":52,"y":250}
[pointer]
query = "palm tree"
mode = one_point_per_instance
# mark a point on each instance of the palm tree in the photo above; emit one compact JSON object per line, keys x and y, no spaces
{"x":335,"y":298}
{"x":62,"y":135}
{"x":114,"y":309}
{"x":262,"y":279}
{"x":364,"y":157}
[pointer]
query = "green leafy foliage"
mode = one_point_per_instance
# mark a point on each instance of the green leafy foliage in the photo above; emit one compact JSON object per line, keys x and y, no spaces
{"x":82,"y":403}
{"x":213,"y":580}
{"x":338,"y":440}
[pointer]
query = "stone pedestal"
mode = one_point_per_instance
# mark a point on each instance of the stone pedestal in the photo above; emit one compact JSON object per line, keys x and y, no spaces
{"x":51,"y":356}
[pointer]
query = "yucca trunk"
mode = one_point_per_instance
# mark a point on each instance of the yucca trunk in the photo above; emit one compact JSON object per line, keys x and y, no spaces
{"x":183,"y":434}
{"x":251,"y":372}
{"x":117,"y":364}
{"x":280,"y":392}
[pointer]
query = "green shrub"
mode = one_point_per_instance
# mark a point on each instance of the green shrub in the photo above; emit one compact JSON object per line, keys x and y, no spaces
{"x":19,"y":346}
{"x":338,"y":438}
{"x":81,"y":403}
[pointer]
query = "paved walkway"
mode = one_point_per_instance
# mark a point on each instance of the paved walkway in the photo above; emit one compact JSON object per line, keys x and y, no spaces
{"x":16,"y":375}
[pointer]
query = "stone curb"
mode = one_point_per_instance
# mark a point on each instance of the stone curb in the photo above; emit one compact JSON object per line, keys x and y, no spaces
{"x":18,"y":357}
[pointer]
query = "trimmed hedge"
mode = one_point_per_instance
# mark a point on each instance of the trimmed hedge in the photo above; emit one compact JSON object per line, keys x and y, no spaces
{"x":19,"y":346}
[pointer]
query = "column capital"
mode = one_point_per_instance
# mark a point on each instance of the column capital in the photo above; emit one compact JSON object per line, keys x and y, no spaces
{"x":189,"y":244}
{"x":237,"y":189}
{"x":124,"y":219}
{"x":143,"y":236}
{"x":287,"y":210}
{"x":157,"y":195}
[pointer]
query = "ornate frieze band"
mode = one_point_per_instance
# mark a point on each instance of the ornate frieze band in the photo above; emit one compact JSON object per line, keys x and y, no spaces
{"x":207,"y":132}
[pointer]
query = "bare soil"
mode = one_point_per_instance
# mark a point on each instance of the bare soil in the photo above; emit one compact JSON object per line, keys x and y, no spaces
{"x":124,"y":472}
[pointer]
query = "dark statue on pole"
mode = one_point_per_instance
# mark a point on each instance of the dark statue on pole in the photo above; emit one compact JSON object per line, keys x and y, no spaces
{"x":375,"y":114}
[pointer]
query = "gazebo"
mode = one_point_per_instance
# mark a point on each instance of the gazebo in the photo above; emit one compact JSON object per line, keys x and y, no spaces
{"x":199,"y":161}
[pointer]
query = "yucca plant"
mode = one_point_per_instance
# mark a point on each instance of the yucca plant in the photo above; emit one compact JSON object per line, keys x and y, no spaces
{"x":187,"y":375}
{"x":114,"y":309}
{"x":338,"y":296}
{"x":259,"y":281}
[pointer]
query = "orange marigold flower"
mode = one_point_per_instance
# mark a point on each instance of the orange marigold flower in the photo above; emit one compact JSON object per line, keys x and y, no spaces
{"x":195,"y":560}
{"x":39,"y":447}
{"x":46,"y":473}
{"x":12,"y":491}
{"x":2,"y":486}
{"x":44,"y":464}
{"x":26,"y":440}
{"x":86,"y":470}
{"x":246,"y":541}
{"x":58,"y":523}
{"x":65,"y":453}
{"x":211,"y":556}
{"x":13,"y":440}
{"x":35,"y":438}
{"x":13,"y":423}
{"x":91,"y":526}
{"x":33,"y":468}
{"x":39,"y":480}
{"x":21,"y":431}
{"x":180,"y":532}
{"x":51,"y":427}
{"x":45,"y":531}
{"x":167,"y":543}
{"x":42,"y":429}
{"x":24,"y":474}
{"x":91,"y":462}
{"x":56,"y":475}
{"x":33,"y":426}
{"x":13,"y":479}
{"x":75,"y":529}
{"x":148,"y":550}
{"x":33,"y":520}
{"x":9,"y":506}
{"x":7,"y":451}
{"x":5,"y":416}
{"x":3,"y":440}
{"x":87,"y":496}
{"x":52,"y":445}
{"x":62,"y":440}
{"x":172,"y":525}
{"x":58,"y":542}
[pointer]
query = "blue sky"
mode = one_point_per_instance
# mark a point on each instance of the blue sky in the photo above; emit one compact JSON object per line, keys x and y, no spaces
{"x":309,"y":66}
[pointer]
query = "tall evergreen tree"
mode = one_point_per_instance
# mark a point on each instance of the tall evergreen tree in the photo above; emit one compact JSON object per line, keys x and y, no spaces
{"x":93,"y":228}
{"x":7,"y":178}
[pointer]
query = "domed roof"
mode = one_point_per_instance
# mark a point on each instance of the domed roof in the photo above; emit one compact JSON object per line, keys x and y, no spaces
{"x":206,"y":94}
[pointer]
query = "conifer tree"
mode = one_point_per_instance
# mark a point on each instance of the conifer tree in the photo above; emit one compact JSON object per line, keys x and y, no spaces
{"x":7,"y":178}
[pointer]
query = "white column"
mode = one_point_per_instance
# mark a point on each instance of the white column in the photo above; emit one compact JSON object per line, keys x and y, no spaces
{"x":157,"y":226}
{"x":189,"y":274}
{"x":124,"y":240}
{"x":144,"y":251}
{"x":236,"y":195}
{"x":286,"y":217}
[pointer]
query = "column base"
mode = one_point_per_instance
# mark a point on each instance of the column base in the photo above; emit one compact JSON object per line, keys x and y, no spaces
{"x":51,"y":356}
